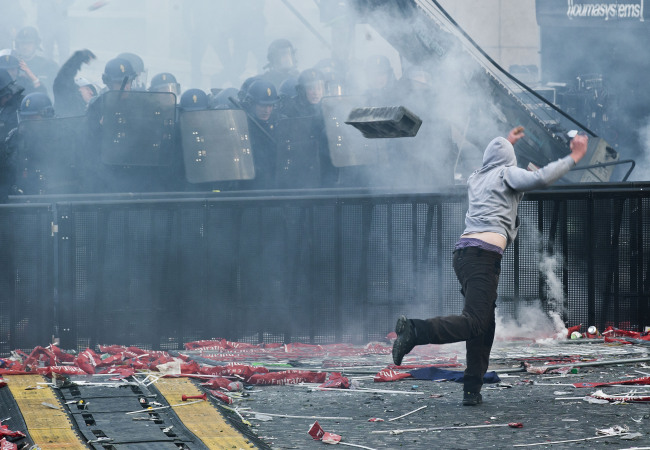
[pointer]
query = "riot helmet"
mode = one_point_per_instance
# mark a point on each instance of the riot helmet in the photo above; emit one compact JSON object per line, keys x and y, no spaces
{"x":11,"y":64}
{"x":116,"y":71}
{"x":288,"y":88}
{"x":165,"y":82}
{"x":281,"y":55}
{"x":36,"y":106}
{"x":194,"y":100}
{"x":332,"y":71}
{"x":140,"y":80}
{"x":9,"y":61}
{"x":243,"y":90}
{"x":311,"y":85}
{"x":261,"y":92}
{"x":261,"y":99}
{"x":26,"y":42}
{"x":8,"y":85}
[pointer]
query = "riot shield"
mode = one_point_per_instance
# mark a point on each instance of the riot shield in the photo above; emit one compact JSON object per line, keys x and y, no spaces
{"x":298,"y":153}
{"x":138,"y":128}
{"x":347,"y":147}
{"x":50,"y":151}
{"x":216,"y":146}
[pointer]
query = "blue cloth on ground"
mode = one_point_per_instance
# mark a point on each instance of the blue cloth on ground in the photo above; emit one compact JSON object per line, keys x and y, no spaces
{"x":435,"y":373}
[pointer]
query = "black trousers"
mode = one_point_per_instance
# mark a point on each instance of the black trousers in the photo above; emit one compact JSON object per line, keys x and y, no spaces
{"x":478,"y":272}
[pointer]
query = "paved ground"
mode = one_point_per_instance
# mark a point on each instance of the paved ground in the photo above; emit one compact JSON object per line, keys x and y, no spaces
{"x":547,"y":405}
{"x":530,"y":399}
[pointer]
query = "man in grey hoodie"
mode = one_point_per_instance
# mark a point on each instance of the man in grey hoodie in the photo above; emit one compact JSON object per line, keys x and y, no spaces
{"x":491,"y":224}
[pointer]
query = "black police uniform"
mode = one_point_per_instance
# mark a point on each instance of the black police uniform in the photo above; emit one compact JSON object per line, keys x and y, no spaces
{"x":316,"y":170}
{"x":67,"y":98}
{"x":8,"y":116}
{"x":277,"y":73}
{"x":7,"y":167}
{"x":45,"y":69}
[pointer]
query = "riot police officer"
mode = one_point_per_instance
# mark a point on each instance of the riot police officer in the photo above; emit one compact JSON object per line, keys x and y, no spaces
{"x":259,"y":103}
{"x":30,"y":177}
{"x":118,"y":75}
{"x":193,"y":100}
{"x":309,"y":88}
{"x":308,"y":166}
{"x":21,"y":73}
{"x":10,"y":98}
{"x":381,"y":80}
{"x":334,"y":76}
{"x":71,"y":96}
{"x":27,"y":44}
{"x":140,"y":79}
{"x":281,"y":62}
{"x":165,"y":82}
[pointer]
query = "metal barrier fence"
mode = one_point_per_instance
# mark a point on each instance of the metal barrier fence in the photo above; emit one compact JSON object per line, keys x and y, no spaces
{"x":317,"y":267}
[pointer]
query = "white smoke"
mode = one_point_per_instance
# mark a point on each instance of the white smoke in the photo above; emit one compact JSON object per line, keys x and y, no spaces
{"x":642,"y":169}
{"x":531,"y":322}
{"x":555,"y":293}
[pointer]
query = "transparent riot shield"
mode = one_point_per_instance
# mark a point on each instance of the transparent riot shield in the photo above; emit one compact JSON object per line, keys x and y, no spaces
{"x":347,"y":146}
{"x":298,"y":152}
{"x":138,"y":128}
{"x":216,"y":146}
{"x":49,"y":157}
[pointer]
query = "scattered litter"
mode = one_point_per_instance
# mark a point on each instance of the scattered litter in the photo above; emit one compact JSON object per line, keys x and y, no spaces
{"x":461,"y":427}
{"x":100,"y":439}
{"x":263,"y":417}
{"x":615,"y":431}
{"x":636,"y":381}
{"x":5,"y":432}
{"x":628,"y":397}
{"x":146,"y":410}
{"x":221,"y":396}
{"x":407,"y":414}
{"x":319,"y":434}
{"x":203,"y":396}
{"x":50,"y":405}
{"x":369,"y":391}
{"x":632,"y":436}
{"x":287,"y":416}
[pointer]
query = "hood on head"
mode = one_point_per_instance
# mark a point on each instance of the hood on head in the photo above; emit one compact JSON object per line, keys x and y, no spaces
{"x":499,"y":152}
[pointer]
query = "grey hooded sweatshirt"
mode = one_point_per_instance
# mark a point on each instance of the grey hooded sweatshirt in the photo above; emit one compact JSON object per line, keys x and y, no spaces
{"x":496,"y":189}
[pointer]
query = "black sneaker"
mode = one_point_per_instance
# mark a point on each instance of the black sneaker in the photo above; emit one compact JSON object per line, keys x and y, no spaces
{"x":405,"y":339}
{"x":472,"y":398}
